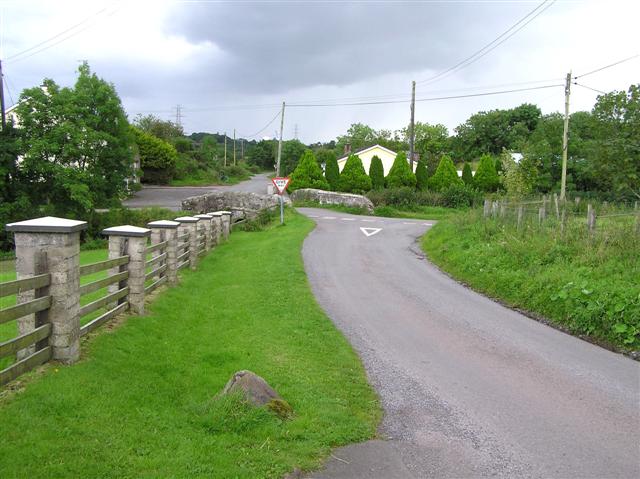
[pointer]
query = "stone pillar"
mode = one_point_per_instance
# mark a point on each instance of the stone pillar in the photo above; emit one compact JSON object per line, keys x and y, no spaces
{"x":226,"y":221}
{"x":52,"y":245}
{"x":217,"y":226}
{"x":206,"y":221}
{"x":189,"y":224}
{"x":132,"y":241}
{"x":170,"y":231}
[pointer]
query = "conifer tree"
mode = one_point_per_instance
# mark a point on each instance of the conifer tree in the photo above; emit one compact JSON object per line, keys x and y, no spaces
{"x":445,"y":175}
{"x":486,"y":178}
{"x":353,"y":178}
{"x":422,"y":177}
{"x":376,"y":173}
{"x":467,"y":175}
{"x":400,"y":174}
{"x":308,"y":174}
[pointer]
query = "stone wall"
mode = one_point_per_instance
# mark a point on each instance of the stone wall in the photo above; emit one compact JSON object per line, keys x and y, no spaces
{"x":332,"y":198}
{"x":242,"y":205}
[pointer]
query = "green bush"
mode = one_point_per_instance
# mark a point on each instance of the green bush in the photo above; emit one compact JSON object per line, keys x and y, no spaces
{"x":460,"y":196}
{"x":376,"y":173}
{"x":308,"y":174}
{"x":400,"y":173}
{"x":467,"y":174}
{"x":445,"y":175}
{"x":422,"y":176}
{"x":157,"y":157}
{"x":486,"y":178}
{"x":125,"y":216}
{"x":353,"y":178}
{"x":331,"y":170}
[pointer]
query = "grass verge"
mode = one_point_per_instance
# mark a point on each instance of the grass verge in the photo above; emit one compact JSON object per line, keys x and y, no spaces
{"x":142,"y":401}
{"x":588,"y":287}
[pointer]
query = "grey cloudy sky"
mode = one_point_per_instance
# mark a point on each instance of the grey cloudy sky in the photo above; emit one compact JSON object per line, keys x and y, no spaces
{"x":229,"y":64}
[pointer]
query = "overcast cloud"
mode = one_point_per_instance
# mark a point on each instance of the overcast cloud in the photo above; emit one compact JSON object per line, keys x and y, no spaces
{"x":230,"y":63}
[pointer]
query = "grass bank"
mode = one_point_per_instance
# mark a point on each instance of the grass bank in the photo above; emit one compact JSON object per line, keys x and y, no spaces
{"x":142,"y":402}
{"x":588,"y":286}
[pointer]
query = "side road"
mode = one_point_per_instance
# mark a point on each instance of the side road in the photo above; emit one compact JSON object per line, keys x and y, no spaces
{"x":469,"y":387}
{"x":171,"y":196}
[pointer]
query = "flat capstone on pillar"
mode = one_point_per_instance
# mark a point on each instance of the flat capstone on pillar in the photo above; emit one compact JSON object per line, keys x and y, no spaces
{"x":216,"y":232}
{"x":207,"y":221}
{"x":132,"y":241}
{"x":189,"y":224}
{"x":226,"y":221}
{"x":52,"y":245}
{"x":166,"y":230}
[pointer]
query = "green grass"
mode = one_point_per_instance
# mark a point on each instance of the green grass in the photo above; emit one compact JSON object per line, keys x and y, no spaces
{"x":142,"y":401}
{"x":208,"y":178}
{"x":588,"y":286}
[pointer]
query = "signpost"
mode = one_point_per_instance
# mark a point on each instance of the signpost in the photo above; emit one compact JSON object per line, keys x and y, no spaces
{"x":281,"y":185}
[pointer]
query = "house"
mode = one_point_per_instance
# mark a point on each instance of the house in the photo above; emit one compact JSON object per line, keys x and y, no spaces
{"x":366,"y":154}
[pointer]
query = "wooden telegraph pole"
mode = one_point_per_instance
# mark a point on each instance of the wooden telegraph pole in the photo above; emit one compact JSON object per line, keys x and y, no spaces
{"x":280,"y":141}
{"x":565,"y":138}
{"x":234,"y":147}
{"x":2,"y":104}
{"x":225,"y":148}
{"x":411,"y":125}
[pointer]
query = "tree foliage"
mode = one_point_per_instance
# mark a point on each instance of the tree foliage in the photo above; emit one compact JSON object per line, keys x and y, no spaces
{"x":400,"y":173}
{"x":163,"y":129}
{"x":75,"y":145}
{"x":292,"y":152}
{"x":353,"y":178}
{"x":486,"y":178}
{"x":376,"y":173}
{"x":331,"y":169}
{"x":157,"y":157}
{"x":422,"y":176}
{"x":445,"y":175}
{"x":264,"y":154}
{"x":308,"y":174}
{"x":467,"y":174}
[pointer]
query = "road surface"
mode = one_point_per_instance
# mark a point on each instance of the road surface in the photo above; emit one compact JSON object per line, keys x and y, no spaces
{"x":171,"y":196}
{"x":469,"y":387}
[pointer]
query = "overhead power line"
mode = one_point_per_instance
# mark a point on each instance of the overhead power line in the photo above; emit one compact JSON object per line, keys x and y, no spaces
{"x":263,"y":128}
{"x":452,"y":97}
{"x":589,"y":88}
{"x":607,"y":66}
{"x":71,"y":31}
{"x":492,"y":45}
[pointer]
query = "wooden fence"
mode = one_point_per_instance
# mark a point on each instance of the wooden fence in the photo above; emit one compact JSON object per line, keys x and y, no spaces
{"x":48,"y":295}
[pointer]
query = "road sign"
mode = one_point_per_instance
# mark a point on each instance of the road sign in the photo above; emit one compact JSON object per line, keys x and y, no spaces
{"x":370,"y":231}
{"x":280,"y":184}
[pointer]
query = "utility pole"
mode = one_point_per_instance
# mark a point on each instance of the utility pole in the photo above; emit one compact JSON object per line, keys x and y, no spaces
{"x":241,"y":149}
{"x":2,"y":105}
{"x":280,"y":142}
{"x":565,"y":138}
{"x":234,"y":147}
{"x":411,"y":125}
{"x":225,"y":148}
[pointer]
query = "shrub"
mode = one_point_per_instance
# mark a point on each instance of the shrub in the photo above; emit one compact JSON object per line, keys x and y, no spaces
{"x":331,"y":170}
{"x":422,"y":176}
{"x":157,"y":157}
{"x":445,"y":175}
{"x":467,"y":174}
{"x":376,"y":173}
{"x":486,"y":178}
{"x":353,"y":178}
{"x":400,"y":173}
{"x":460,"y":195}
{"x":308,"y":174}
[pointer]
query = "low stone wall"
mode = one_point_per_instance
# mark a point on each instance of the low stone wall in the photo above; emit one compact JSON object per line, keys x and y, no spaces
{"x":241,"y":205}
{"x":332,"y":198}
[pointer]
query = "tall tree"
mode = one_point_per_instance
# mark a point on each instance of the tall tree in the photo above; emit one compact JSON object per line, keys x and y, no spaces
{"x":486,"y":178}
{"x":353,"y":178}
{"x":376,"y":173}
{"x":308,"y":174}
{"x":422,"y":177}
{"x":445,"y":175}
{"x":331,"y":170}
{"x":163,"y":129}
{"x":400,"y":173}
{"x":75,"y":144}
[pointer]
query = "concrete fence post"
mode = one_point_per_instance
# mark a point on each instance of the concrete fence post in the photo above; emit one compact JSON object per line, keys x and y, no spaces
{"x":226,"y":222}
{"x":170,"y":231}
{"x":487,"y":208}
{"x":132,"y":241}
{"x":189,"y":224}
{"x":206,"y":222}
{"x":217,"y":226}
{"x":52,"y":245}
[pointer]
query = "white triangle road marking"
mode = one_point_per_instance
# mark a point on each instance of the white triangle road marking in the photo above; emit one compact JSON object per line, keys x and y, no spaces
{"x":370,"y":231}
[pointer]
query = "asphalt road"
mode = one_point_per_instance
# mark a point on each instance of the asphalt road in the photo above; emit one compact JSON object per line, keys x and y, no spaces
{"x":469,"y":387}
{"x":171,"y":196}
